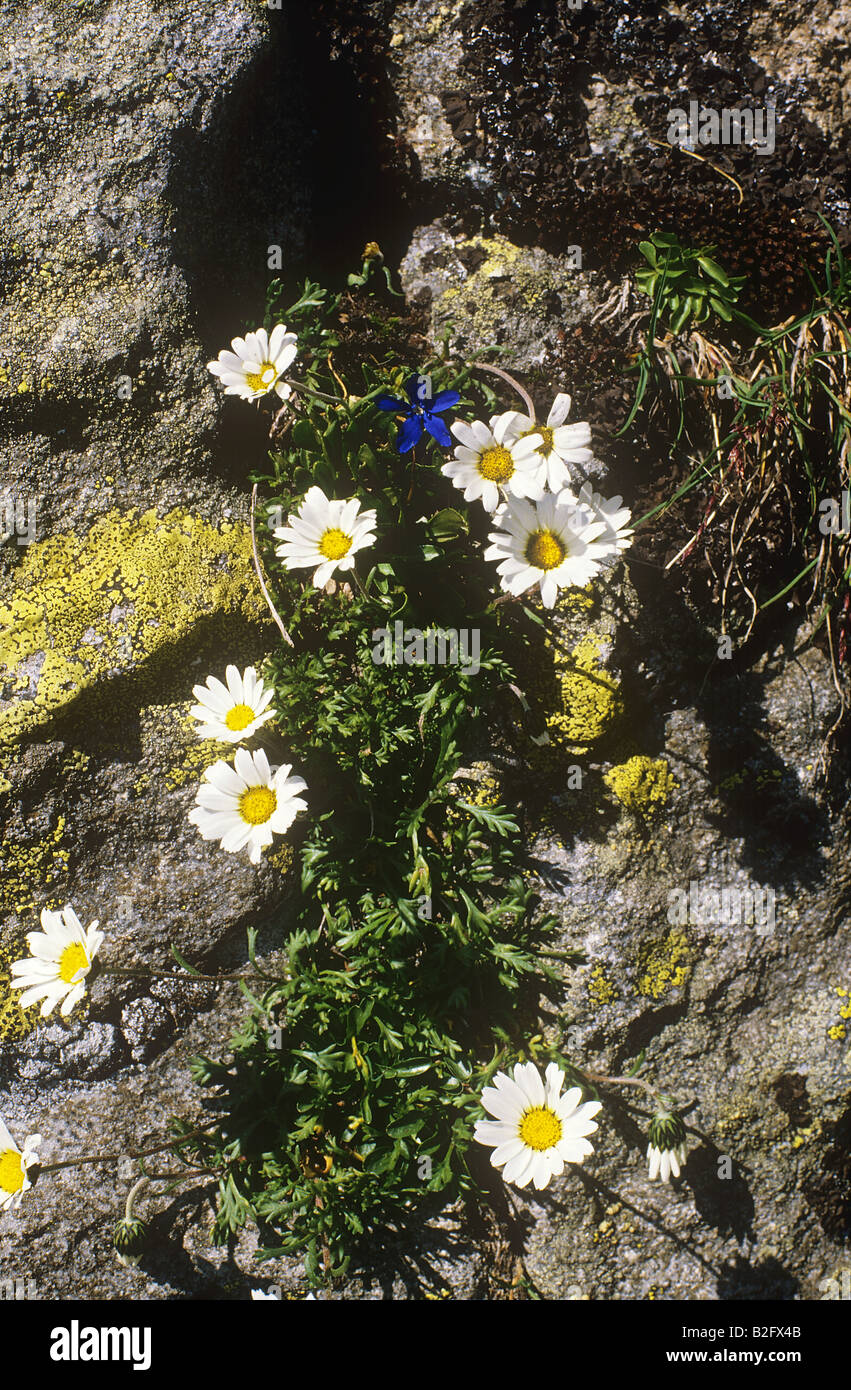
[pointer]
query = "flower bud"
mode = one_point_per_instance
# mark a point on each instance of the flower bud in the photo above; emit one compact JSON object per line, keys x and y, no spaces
{"x":128,"y":1240}
{"x":667,"y":1151}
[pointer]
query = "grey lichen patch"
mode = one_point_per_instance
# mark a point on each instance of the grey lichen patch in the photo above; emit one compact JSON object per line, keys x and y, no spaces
{"x":427,"y":49}
{"x":486,"y":293}
{"x":610,"y":120}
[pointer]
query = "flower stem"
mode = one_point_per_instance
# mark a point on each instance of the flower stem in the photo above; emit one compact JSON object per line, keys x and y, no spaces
{"x":265,"y":592}
{"x":309,"y":391}
{"x":497,"y":371}
{"x":131,"y":1197}
{"x":125,"y":1153}
{"x":624,"y":1081}
{"x":174,"y":975}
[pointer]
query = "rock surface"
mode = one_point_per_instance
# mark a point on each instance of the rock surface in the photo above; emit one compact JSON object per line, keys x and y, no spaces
{"x":153,"y":153}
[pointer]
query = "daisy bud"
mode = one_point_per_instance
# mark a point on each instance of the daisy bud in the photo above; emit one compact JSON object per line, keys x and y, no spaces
{"x":667,"y":1151}
{"x":128,"y":1239}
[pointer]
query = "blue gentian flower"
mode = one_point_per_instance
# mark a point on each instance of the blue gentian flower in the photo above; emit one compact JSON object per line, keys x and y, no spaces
{"x":421,"y":414}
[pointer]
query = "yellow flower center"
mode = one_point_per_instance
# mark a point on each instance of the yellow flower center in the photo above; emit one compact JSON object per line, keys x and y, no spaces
{"x":335,"y":544}
{"x":257,"y":805}
{"x":263,"y":380}
{"x":540,"y":1128}
{"x":73,"y":958}
{"x":11,"y":1171}
{"x":496,"y":464}
{"x":548,"y":444}
{"x":545,"y":550}
{"x":547,"y":432}
{"x":239,"y":718}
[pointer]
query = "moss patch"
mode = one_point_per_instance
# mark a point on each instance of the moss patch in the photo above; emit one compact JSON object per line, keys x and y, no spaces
{"x":86,"y":610}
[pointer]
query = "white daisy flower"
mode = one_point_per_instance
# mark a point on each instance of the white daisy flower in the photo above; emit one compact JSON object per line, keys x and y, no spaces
{"x":14,"y":1163}
{"x":537,"y":1130}
{"x":234,"y":711}
{"x":617,"y":535}
{"x":326,"y":534}
{"x":62,"y":956}
{"x":259,"y":1295}
{"x":553,"y":543}
{"x":560,"y":444}
{"x":256,"y":364}
{"x":667,"y":1151}
{"x":486,"y":461}
{"x":244,"y":806}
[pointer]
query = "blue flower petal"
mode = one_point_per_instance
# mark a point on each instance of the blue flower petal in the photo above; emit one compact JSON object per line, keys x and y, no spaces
{"x":437,"y":429}
{"x":409,"y":434}
{"x":412,"y":386}
{"x":443,"y":400}
{"x":391,"y":403}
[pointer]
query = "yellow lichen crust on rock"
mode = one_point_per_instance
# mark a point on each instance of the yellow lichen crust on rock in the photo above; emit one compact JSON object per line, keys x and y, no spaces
{"x":589,"y":700}
{"x":86,"y":609}
{"x":479,"y":784}
{"x":664,"y":964}
{"x":643,"y":785}
{"x":602,"y":990}
{"x":171,"y":745}
{"x":839,"y":1031}
{"x":15,"y":1022}
{"x":30,"y":871}
{"x":479,"y":303}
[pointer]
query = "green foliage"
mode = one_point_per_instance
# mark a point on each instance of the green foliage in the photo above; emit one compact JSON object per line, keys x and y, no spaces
{"x":351,"y":1090}
{"x":685,"y":283}
{"x":781,"y":428}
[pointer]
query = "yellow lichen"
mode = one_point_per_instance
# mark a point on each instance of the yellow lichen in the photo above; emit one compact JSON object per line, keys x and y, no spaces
{"x":15,"y":1022}
{"x":199,"y":755}
{"x":838,"y":1032}
{"x":584,"y":599}
{"x":75,"y":761}
{"x":803,"y":1135}
{"x":87,"y":609}
{"x":487,"y":790}
{"x":479,"y":301}
{"x":664,"y":964}
{"x":30,"y":871}
{"x":641,"y":784}
{"x":282,"y":858}
{"x":601,"y":989}
{"x":590,"y":703}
